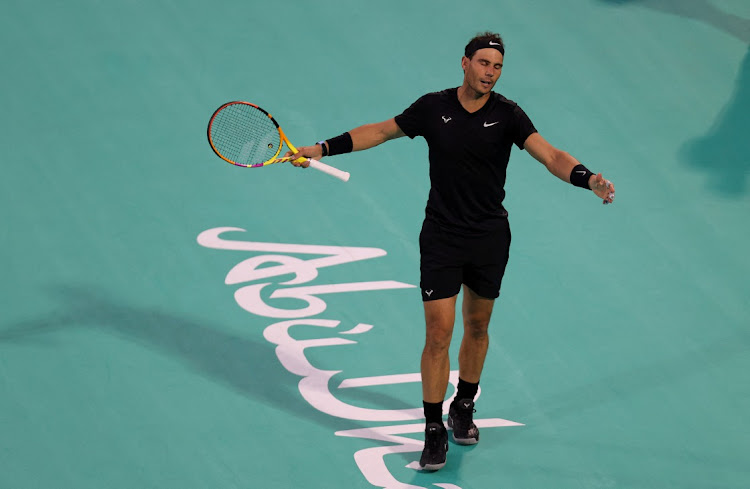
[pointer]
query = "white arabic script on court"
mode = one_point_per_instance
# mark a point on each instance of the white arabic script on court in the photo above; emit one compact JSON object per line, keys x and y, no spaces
{"x":314,"y":385}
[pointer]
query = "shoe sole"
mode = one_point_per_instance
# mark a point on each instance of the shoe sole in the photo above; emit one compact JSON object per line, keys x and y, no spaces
{"x":461,"y":441}
{"x":465,"y":441}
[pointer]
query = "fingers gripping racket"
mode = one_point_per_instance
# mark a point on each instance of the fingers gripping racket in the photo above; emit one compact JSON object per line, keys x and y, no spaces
{"x":245,"y":135}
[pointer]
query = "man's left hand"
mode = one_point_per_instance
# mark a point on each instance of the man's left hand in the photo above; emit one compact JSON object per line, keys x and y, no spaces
{"x":603,"y":188}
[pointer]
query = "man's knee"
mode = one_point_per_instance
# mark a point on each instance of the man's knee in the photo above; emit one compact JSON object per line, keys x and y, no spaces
{"x":438,"y":336}
{"x":477,"y":311}
{"x":476,"y":327}
{"x":440,"y":317}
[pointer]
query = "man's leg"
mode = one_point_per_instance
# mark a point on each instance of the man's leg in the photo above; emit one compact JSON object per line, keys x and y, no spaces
{"x":476,"y":318}
{"x":476,"y":315}
{"x":439,"y":315}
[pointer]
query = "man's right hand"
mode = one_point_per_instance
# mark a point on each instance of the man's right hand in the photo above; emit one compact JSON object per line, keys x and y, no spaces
{"x":305,"y":152}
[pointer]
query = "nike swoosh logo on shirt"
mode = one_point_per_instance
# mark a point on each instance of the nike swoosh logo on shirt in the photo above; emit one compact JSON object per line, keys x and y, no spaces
{"x":491,"y":124}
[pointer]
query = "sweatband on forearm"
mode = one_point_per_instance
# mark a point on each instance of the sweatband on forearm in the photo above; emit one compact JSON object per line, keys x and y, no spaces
{"x":340,"y":144}
{"x":580,"y":177}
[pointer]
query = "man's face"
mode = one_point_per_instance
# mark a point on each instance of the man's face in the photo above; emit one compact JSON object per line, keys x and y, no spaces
{"x":482,"y":71}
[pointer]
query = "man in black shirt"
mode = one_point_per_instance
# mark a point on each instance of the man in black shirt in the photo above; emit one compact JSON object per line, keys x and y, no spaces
{"x":465,"y":237}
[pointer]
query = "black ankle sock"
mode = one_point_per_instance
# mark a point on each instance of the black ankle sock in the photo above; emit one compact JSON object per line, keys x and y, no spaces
{"x":433,"y":412}
{"x":466,"y":390}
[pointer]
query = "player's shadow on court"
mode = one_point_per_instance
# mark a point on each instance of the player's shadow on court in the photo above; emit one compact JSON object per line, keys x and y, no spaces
{"x":722,"y":153}
{"x":248,"y":367}
{"x":700,"y":10}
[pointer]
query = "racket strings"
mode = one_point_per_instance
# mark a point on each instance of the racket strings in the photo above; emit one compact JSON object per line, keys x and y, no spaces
{"x":245,"y":135}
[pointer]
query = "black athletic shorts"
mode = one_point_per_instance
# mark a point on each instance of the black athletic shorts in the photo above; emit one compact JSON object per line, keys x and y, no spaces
{"x":448,"y":259}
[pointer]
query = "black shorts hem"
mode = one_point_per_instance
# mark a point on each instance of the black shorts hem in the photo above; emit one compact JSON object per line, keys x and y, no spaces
{"x":449,"y":260}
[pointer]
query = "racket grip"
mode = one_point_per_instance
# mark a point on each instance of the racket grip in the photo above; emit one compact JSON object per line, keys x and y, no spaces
{"x":334,"y":172}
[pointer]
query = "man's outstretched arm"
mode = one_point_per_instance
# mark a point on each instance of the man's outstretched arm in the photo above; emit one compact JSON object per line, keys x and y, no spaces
{"x":568,"y":169}
{"x":362,"y":137}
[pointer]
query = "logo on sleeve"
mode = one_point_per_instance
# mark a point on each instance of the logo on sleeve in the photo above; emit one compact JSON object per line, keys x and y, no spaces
{"x":446,"y":119}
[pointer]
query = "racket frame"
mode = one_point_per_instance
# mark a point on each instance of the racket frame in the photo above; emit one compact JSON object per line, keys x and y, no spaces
{"x":335,"y":172}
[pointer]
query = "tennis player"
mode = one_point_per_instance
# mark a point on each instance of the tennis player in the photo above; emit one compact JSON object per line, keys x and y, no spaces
{"x":465,"y":237}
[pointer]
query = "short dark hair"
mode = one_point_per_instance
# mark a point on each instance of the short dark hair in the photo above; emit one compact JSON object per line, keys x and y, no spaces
{"x":483,"y":39}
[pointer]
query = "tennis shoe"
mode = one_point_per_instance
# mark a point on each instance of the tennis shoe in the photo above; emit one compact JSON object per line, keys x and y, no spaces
{"x":435,"y":447}
{"x":461,"y":420}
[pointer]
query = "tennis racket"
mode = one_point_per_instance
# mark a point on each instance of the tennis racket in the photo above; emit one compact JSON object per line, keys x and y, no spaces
{"x":245,"y":135}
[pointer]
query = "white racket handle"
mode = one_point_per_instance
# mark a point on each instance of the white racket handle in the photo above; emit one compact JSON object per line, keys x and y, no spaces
{"x":334,"y":172}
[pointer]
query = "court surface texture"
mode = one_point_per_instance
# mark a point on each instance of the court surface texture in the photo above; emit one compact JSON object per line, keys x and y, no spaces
{"x":171,"y":321}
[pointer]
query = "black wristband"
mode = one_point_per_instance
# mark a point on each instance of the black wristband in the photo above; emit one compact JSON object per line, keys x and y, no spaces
{"x":340,"y":144}
{"x":580,"y":177}
{"x":325,"y":148}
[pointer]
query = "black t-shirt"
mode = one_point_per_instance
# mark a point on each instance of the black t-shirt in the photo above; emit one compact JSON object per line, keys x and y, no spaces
{"x":469,"y":155}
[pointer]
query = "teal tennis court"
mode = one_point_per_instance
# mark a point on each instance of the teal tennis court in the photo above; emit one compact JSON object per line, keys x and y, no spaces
{"x":171,"y":321}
